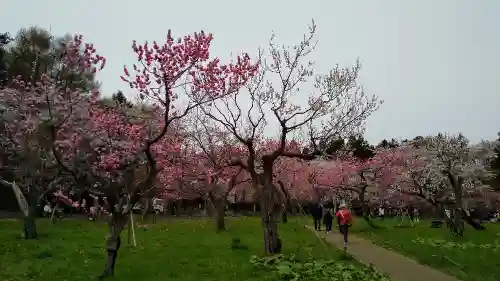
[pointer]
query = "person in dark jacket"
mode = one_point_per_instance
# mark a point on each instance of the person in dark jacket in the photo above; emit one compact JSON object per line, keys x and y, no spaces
{"x":317,"y":214}
{"x":328,"y":220}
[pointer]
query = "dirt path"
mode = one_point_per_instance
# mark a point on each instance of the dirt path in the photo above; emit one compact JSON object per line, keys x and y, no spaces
{"x":399,"y":267}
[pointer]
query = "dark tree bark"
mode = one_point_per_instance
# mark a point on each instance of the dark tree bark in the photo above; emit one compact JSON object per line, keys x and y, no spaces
{"x":146,"y":208}
{"x":33,"y":199}
{"x":116,"y":225}
{"x":284,"y":217}
{"x":365,"y":209}
{"x":269,"y":202}
{"x":272,"y":242}
{"x":458,"y":212}
{"x":29,"y":221}
{"x":29,"y":224}
{"x":286,"y":202}
{"x":220,"y":222}
{"x":53,"y":216}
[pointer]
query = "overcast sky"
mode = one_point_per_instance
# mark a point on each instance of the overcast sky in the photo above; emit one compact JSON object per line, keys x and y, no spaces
{"x":434,"y":63}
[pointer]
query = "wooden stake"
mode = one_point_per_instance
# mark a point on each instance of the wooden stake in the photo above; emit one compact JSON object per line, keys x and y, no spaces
{"x":129,"y":229}
{"x":133,"y":228}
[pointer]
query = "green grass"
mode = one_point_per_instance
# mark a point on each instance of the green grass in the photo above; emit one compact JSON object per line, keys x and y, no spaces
{"x":473,"y":257}
{"x":73,"y":250}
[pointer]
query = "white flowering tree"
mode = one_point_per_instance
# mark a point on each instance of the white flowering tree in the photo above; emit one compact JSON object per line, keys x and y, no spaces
{"x":448,"y":169}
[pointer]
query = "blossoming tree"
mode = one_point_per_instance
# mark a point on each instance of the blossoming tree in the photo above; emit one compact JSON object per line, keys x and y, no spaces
{"x":27,"y":164}
{"x":448,"y":168}
{"x":367,"y":179}
{"x":209,"y":166}
{"x":111,"y":152}
{"x":336,"y":105}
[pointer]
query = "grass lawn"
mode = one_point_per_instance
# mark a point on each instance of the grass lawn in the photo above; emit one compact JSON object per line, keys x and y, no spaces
{"x":473,"y":257}
{"x":73,"y":250}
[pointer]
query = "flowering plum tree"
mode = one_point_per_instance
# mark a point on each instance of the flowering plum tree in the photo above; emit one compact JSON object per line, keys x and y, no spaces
{"x":336,"y":106}
{"x":449,"y":168}
{"x":210,"y":166}
{"x":365,"y":178}
{"x":27,"y":163}
{"x":423,"y":181}
{"x":107,"y":149}
{"x":291,"y":175}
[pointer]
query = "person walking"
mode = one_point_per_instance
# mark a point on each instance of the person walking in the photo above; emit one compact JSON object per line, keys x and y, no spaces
{"x":344,"y":219}
{"x":328,"y":220}
{"x":317,"y":213}
{"x":381,"y":212}
{"x":416,"y":215}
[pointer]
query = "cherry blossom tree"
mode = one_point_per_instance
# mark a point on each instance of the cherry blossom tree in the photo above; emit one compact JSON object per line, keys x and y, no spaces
{"x":448,"y":168}
{"x":367,"y":179}
{"x":423,"y":181}
{"x":107,"y":149}
{"x":336,"y":105}
{"x":27,"y":163}
{"x":209,"y":165}
{"x":291,"y":175}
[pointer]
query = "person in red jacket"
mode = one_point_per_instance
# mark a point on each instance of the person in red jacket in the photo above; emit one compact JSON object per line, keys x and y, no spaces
{"x":344,"y":219}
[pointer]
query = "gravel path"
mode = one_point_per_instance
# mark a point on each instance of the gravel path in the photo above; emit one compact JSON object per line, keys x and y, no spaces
{"x":397,"y":266}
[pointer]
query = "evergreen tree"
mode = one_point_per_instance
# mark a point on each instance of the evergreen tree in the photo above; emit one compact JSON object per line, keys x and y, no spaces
{"x":120,"y":99}
{"x":360,"y":148}
{"x":34,"y":51}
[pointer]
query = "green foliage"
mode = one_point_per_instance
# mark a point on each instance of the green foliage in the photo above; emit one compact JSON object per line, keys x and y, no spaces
{"x":334,"y":146}
{"x":441,"y":243}
{"x":473,"y":257}
{"x":4,"y":40}
{"x":393,"y":143}
{"x":120,"y":99}
{"x":289,"y":268}
{"x":360,"y":148}
{"x":34,"y":51}
{"x":44,"y":255}
{"x":173,"y":249}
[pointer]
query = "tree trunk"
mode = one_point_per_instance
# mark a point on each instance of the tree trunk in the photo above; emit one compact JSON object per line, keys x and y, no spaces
{"x":28,"y":209}
{"x":220,"y":221}
{"x":438,"y":209}
{"x":29,"y":221}
{"x":272,"y":242}
{"x":458,"y":212}
{"x":284,"y":217}
{"x":206,"y":212}
{"x":458,"y":218}
{"x":294,"y":209}
{"x":365,"y":210}
{"x":115,"y":226}
{"x":53,"y":215}
{"x":207,"y":209}
{"x":146,"y":209}
{"x":97,"y":210}
{"x":29,"y":229}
